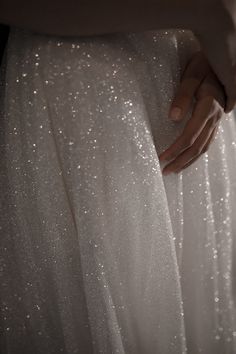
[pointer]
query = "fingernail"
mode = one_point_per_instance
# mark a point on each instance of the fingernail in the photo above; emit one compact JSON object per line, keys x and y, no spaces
{"x":175,"y":114}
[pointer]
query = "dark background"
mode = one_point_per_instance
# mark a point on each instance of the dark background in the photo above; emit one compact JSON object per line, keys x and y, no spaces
{"x":4,"y":30}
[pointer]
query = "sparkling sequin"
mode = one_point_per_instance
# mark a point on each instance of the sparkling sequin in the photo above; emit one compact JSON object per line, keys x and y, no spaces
{"x":99,"y":250}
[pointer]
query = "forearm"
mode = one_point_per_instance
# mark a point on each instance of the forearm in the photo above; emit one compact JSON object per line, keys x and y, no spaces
{"x":91,"y":17}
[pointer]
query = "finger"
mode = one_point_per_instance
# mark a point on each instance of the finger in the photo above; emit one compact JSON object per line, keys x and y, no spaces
{"x":192,"y":153}
{"x":183,"y":99}
{"x":195,"y":72}
{"x":188,"y":164}
{"x":205,"y":149}
{"x":211,"y":139}
{"x":193,"y":128}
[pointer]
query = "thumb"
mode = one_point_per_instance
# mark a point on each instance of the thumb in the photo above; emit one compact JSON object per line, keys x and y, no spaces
{"x":193,"y":75}
{"x":183,"y":99}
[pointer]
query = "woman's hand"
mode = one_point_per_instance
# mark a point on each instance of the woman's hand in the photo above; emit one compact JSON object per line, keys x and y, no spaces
{"x":215,"y":29}
{"x":200,"y":83}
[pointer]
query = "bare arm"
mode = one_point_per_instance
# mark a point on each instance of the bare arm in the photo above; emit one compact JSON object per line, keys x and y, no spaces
{"x":213,"y":22}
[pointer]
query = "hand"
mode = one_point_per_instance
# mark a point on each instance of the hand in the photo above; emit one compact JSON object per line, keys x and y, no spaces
{"x":199,"y":82}
{"x":216,"y":31}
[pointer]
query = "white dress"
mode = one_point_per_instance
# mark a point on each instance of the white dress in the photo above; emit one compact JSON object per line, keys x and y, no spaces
{"x":99,"y":252}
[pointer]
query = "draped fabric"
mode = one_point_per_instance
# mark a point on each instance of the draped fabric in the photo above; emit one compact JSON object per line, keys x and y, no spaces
{"x":99,"y":251}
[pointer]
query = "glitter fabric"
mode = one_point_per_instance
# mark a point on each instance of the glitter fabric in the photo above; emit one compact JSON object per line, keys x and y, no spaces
{"x":99,"y":252}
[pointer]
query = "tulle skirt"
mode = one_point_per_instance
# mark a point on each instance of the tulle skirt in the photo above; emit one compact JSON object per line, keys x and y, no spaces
{"x":99,"y":251}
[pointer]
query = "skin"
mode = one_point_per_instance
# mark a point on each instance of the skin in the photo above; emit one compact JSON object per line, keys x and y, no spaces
{"x":199,"y":84}
{"x":212,"y":21}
